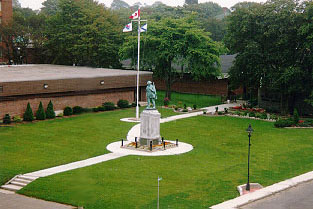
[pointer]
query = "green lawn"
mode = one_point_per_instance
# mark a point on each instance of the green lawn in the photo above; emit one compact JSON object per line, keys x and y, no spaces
{"x":205,"y":176}
{"x":29,"y":147}
{"x":189,"y":99}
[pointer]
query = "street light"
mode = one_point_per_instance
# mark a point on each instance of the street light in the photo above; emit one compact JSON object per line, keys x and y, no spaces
{"x":249,"y":130}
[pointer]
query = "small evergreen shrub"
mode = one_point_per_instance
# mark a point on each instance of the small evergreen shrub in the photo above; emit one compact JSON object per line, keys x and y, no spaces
{"x":284,"y":123}
{"x":216,"y":109}
{"x":95,"y":109}
{"x":220,"y":113}
{"x":28,"y":115}
{"x":185,"y":106}
{"x":50,"y":114}
{"x":123,"y":103}
{"x":226,"y":110}
{"x":194,"y":106}
{"x":296,"y":116}
{"x":77,"y":110}
{"x":7,"y":119}
{"x":185,"y":110}
{"x":110,"y":106}
{"x":67,"y":111}
{"x":40,"y":114}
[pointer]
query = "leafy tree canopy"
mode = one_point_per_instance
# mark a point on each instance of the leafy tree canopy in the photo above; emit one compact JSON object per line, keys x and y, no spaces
{"x":176,"y":42}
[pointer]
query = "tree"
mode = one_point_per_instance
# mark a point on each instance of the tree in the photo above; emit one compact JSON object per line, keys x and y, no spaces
{"x":16,"y":4}
{"x":119,"y":4}
{"x":83,"y":32}
{"x":40,"y":114}
{"x":180,"y":42}
{"x":271,"y":53}
{"x":50,"y":7}
{"x":28,"y":115}
{"x":50,"y":114}
{"x":191,"y":1}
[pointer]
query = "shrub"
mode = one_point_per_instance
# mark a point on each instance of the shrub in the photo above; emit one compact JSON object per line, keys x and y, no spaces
{"x":226,"y":110}
{"x":85,"y":109}
{"x":251,"y":114}
{"x":283,"y":123}
{"x":194,"y":106}
{"x":185,"y":110}
{"x":123,"y":103}
{"x":258,"y":115}
{"x":95,"y":109}
{"x":166,"y":101}
{"x":50,"y":114}
{"x":220,"y":113}
{"x":263,"y":116}
{"x":110,"y":105}
{"x":28,"y":115}
{"x":17,"y":119}
{"x":101,"y":108}
{"x":296,"y":116}
{"x":237,"y":112}
{"x":7,"y":119}
{"x":216,"y":109}
{"x":40,"y":114}
{"x":274,"y":117}
{"x":68,"y":111}
{"x":78,"y":110}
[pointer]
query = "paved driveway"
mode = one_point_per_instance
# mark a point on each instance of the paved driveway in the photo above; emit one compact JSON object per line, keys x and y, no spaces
{"x":299,"y":197}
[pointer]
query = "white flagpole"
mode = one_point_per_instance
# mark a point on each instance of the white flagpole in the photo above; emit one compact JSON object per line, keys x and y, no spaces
{"x":138,"y":61}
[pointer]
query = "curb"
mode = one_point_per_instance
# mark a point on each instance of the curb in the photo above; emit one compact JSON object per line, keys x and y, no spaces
{"x":265,"y":192}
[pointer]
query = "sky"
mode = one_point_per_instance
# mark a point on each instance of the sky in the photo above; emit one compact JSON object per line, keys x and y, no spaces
{"x":36,"y":4}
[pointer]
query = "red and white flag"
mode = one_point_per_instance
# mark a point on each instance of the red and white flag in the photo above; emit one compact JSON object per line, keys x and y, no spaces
{"x":135,"y":15}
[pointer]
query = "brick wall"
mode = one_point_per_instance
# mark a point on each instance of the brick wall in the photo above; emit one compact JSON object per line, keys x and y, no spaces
{"x":214,"y":87}
{"x":18,"y":106}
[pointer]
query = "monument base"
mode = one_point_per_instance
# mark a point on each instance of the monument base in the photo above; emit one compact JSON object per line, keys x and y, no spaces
{"x":146,"y":142}
{"x":150,"y":127}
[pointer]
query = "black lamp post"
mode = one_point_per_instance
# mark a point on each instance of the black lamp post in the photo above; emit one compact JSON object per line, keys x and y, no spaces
{"x":249,"y":130}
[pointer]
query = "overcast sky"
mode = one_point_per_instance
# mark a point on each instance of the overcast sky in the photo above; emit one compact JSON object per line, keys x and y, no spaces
{"x":36,"y":4}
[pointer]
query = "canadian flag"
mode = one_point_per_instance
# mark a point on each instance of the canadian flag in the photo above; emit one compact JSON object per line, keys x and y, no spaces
{"x":135,"y":15}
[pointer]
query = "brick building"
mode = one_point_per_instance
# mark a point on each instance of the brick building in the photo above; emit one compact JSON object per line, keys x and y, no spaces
{"x":65,"y":86}
{"x":6,"y":14}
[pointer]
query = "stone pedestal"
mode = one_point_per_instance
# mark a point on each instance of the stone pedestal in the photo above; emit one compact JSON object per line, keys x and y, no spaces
{"x":150,"y":127}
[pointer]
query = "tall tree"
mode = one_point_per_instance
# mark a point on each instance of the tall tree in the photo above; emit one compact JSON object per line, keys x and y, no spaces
{"x":191,"y":1}
{"x":119,"y":4}
{"x":83,"y":32}
{"x":270,"y":51}
{"x":50,"y":7}
{"x":177,"y":42}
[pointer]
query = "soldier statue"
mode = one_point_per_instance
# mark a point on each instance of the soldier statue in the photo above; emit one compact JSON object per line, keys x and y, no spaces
{"x":151,"y":95}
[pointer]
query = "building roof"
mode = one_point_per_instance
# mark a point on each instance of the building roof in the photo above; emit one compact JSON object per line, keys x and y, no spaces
{"x":16,"y":73}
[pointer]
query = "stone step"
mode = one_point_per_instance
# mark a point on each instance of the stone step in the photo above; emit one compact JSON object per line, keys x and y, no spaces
{"x":29,"y":178}
{"x":22,"y":180}
{"x":18,"y":183}
{"x":11,"y":187}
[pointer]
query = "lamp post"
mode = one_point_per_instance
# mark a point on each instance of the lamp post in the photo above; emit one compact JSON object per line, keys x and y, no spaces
{"x":249,"y":130}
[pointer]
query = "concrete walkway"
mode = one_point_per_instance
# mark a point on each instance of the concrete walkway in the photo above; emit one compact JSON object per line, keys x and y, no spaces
{"x":16,"y":201}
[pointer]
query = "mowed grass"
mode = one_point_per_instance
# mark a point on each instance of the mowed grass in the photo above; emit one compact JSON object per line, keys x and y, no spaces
{"x":189,"y":99}
{"x":205,"y":176}
{"x":34,"y":146}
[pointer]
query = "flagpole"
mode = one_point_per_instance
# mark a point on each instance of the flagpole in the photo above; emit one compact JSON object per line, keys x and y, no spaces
{"x":138,"y":62}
